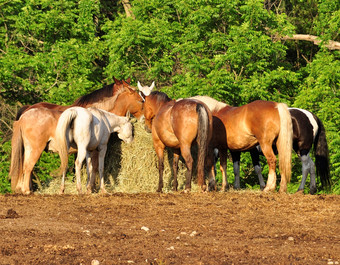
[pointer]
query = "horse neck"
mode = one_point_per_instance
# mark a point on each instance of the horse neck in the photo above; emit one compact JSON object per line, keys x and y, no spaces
{"x":114,"y":121}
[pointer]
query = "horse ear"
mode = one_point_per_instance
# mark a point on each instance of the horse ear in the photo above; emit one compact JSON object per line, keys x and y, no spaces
{"x":139,"y":86}
{"x":128,"y":114}
{"x":146,"y":90}
{"x":117,"y":81}
{"x":128,"y":80}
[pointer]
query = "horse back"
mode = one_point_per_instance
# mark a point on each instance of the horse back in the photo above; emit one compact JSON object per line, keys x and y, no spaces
{"x":247,"y":124}
{"x":38,"y":125}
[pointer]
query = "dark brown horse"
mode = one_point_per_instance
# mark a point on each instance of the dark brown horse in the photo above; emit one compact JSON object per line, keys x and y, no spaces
{"x":178,"y":125}
{"x":260,"y":122}
{"x":34,"y":132}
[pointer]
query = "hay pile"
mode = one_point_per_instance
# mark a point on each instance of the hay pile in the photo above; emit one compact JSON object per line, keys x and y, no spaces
{"x":132,"y":167}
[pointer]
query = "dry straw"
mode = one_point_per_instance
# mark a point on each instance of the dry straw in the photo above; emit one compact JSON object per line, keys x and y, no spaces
{"x":132,"y":167}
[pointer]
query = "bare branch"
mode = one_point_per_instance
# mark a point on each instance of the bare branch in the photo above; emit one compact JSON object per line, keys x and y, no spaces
{"x":332,"y":45}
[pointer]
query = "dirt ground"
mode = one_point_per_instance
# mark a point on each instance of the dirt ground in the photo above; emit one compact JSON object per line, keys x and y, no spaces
{"x":242,"y":227}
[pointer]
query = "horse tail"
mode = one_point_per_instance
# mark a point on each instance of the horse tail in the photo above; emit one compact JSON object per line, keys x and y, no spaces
{"x":322,"y":155}
{"x":203,"y":138}
{"x":17,"y":155}
{"x":62,"y":136}
{"x":21,"y":111}
{"x":285,"y":141}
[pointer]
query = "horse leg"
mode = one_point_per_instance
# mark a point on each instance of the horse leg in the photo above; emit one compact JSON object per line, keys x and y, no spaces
{"x":79,"y":162}
{"x":312,"y":185}
{"x":101,"y":158}
{"x":175,"y":168}
{"x":90,"y":173}
{"x":307,"y":167}
{"x":236,"y":156}
{"x":255,"y":157}
{"x":271,"y":160}
{"x":94,"y":169}
{"x":210,"y":164}
{"x":186,"y":153}
{"x":223,"y":168}
{"x":159,"y":148}
{"x":32,"y":155}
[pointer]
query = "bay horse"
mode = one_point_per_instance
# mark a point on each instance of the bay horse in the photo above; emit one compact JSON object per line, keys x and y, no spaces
{"x":260,"y":122}
{"x":88,"y":130}
{"x":34,"y":131}
{"x":177,"y":125}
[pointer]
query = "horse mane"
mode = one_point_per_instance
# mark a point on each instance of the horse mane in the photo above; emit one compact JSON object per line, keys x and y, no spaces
{"x":99,"y":97}
{"x":160,"y":96}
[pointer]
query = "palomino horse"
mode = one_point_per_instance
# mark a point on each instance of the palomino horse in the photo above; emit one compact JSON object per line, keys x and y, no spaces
{"x":88,"y":130}
{"x":35,"y":130}
{"x":177,"y":125}
{"x":259,"y":122}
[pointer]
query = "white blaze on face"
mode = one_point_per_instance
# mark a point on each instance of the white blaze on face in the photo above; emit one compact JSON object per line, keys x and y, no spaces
{"x":311,"y":120}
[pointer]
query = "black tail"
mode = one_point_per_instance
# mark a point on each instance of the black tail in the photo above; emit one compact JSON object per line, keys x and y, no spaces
{"x":322,"y":155}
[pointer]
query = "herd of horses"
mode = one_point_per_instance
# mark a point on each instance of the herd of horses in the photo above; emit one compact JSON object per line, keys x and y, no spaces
{"x":84,"y":128}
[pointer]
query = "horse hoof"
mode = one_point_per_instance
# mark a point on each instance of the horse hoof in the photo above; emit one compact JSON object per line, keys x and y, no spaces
{"x":268,"y":189}
{"x":103,"y":191}
{"x":312,"y":191}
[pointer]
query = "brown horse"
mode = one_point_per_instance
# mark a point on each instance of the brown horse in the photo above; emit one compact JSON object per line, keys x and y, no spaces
{"x":259,"y":122}
{"x":177,"y":125}
{"x":34,"y":132}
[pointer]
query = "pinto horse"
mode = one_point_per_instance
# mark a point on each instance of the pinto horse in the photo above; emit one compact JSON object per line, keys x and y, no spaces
{"x":260,"y":122}
{"x":34,"y":132}
{"x":88,"y":130}
{"x":177,"y":125}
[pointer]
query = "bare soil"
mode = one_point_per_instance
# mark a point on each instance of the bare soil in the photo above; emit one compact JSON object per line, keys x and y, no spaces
{"x":241,"y":227}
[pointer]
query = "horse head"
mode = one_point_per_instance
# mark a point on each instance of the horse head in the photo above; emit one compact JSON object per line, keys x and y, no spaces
{"x":129,"y":99}
{"x":125,"y":130}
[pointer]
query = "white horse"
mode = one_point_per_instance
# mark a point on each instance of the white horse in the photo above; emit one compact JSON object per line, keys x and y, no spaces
{"x":87,"y":130}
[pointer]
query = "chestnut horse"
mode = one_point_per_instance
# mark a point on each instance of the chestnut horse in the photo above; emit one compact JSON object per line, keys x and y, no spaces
{"x":308,"y":131}
{"x":260,"y":122}
{"x":35,"y":130}
{"x":177,"y":125}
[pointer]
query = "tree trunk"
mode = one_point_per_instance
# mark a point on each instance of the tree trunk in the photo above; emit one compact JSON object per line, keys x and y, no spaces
{"x":127,"y":8}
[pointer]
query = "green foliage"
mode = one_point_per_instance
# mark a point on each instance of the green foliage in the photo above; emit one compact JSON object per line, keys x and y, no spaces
{"x":5,"y":154}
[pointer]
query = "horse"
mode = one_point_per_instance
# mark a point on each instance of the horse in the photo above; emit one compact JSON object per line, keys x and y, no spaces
{"x":260,"y":122}
{"x":177,"y":125}
{"x":34,"y":131}
{"x":308,"y":131}
{"x":87,"y":130}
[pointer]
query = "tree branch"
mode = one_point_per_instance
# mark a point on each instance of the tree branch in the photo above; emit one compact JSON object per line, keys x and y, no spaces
{"x":332,"y":45}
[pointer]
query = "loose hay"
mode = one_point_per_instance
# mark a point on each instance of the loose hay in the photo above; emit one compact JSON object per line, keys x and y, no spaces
{"x":132,"y":167}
